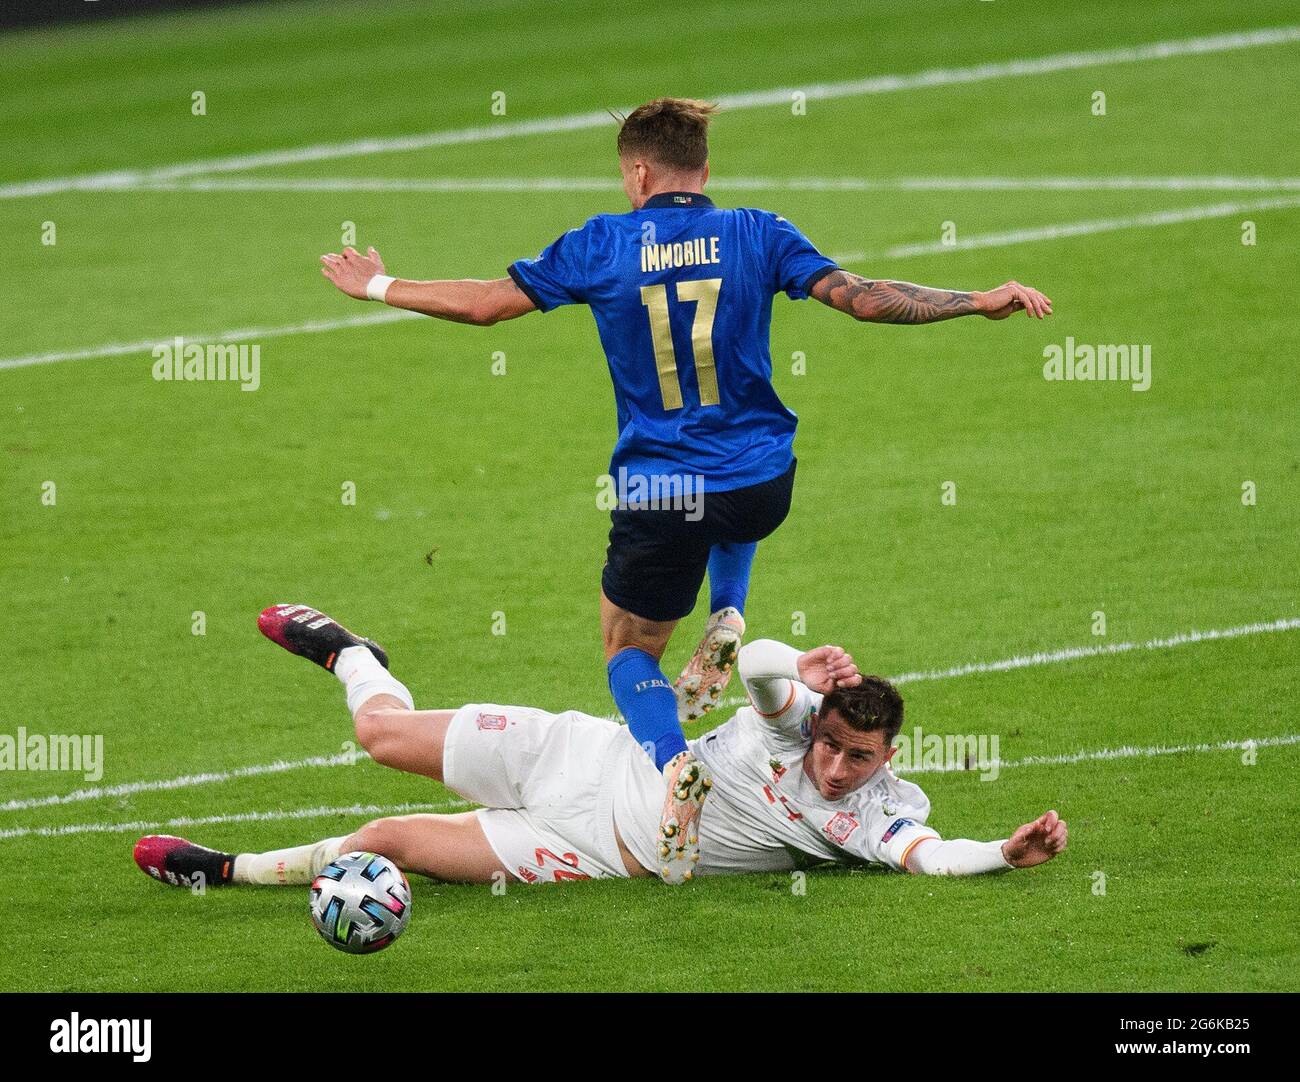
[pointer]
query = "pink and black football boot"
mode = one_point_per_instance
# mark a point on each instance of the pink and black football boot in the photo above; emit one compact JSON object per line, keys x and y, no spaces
{"x":309,"y":633}
{"x":182,"y":863}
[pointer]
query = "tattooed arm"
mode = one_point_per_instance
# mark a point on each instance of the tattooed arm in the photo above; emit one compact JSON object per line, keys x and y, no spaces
{"x":903,"y":302}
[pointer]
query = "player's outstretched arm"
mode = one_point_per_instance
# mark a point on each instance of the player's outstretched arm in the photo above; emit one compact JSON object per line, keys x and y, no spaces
{"x":465,"y":300}
{"x":1031,"y":844}
{"x":902,"y":302}
{"x":768,"y":667}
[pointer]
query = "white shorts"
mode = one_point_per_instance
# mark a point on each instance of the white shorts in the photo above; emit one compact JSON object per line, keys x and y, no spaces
{"x":546,"y":787}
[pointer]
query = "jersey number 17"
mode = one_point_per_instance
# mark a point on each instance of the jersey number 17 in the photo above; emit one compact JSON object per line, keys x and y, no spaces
{"x":704,"y":292}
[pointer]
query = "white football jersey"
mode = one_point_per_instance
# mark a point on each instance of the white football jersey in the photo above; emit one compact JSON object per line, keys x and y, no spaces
{"x":764,"y":813}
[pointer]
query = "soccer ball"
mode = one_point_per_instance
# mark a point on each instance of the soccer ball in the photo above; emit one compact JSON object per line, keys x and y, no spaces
{"x":360,"y":903}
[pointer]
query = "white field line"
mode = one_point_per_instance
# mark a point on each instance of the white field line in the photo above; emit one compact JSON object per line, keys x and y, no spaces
{"x":1052,"y":657}
{"x":358,"y":810}
{"x":1070,"y":653}
{"x":1073,"y":229}
{"x":1126,"y":751}
{"x":370,"y":810}
{"x":1075,"y":653}
{"x":186,"y":781}
{"x":243,"y":334}
{"x":879,"y":84}
{"x":744,"y":184}
{"x":902,"y":251}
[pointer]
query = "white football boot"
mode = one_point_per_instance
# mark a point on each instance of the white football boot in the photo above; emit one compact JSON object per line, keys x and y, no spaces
{"x":679,"y":828}
{"x":700,"y":687}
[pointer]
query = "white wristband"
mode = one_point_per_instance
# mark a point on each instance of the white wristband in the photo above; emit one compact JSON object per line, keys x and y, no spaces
{"x":377,"y":287}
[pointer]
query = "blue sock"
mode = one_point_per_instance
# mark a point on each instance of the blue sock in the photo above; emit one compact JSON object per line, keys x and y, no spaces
{"x":647,"y":701}
{"x":729,"y":564}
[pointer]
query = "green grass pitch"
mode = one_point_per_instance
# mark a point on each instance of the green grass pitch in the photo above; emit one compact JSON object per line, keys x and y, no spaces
{"x":475,"y":491}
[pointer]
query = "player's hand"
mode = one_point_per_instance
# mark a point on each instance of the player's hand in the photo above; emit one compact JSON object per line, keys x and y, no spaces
{"x":1012,"y":297}
{"x":352,"y":270}
{"x":828,"y":668}
{"x":1036,"y":842}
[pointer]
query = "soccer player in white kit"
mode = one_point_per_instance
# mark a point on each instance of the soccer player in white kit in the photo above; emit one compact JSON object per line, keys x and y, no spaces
{"x":801,"y":776}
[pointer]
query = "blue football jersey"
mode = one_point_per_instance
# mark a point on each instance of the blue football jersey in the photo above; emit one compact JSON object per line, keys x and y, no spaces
{"x":682,"y":294}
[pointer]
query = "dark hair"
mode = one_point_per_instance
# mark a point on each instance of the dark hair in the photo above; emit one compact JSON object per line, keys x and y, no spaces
{"x":672,"y":131}
{"x":873,"y":705}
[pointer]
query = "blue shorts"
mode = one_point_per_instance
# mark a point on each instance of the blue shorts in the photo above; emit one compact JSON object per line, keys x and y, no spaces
{"x":657,"y":558}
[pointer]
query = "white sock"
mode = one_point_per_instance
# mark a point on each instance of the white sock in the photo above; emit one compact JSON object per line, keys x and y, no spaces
{"x":292,"y":867}
{"x":365,"y":678}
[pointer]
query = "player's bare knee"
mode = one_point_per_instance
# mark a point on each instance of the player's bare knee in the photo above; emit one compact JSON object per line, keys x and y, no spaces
{"x":368,"y":727}
{"x":376,"y":730}
{"x":382,"y":836}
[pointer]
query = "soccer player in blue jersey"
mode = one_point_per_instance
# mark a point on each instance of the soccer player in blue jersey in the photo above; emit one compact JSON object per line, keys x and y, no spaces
{"x":681,"y":291}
